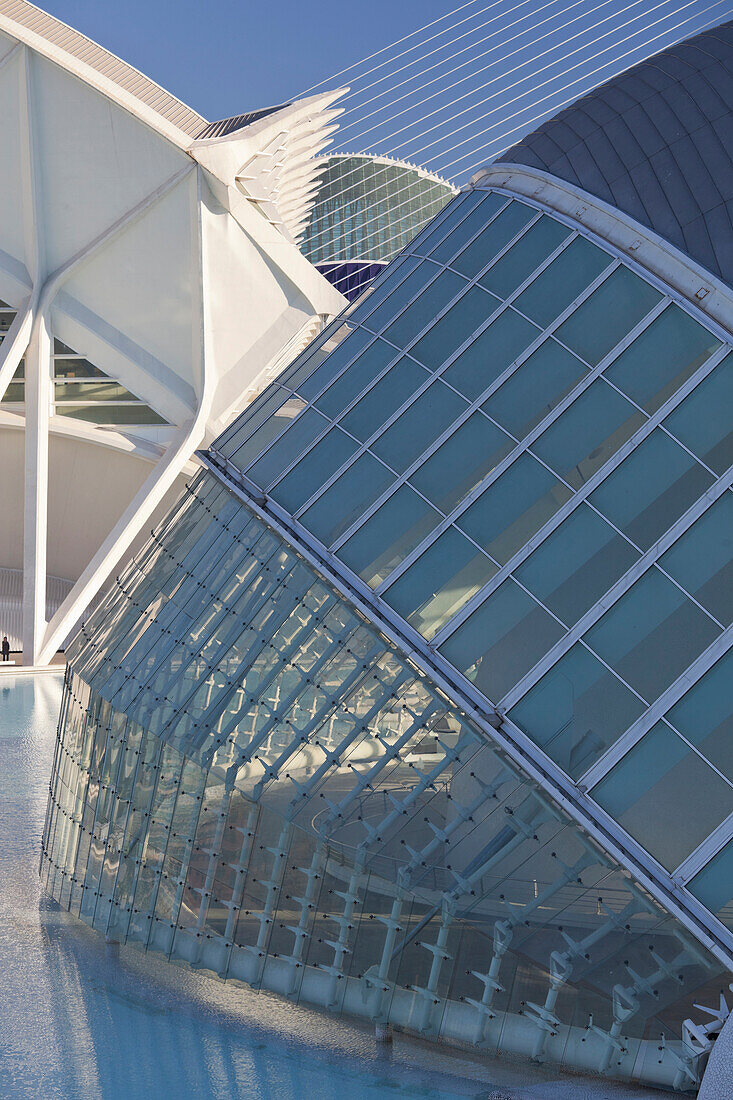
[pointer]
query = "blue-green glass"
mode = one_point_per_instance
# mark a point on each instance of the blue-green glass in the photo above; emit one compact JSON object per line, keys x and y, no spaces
{"x":439,"y":583}
{"x":713,"y":886}
{"x":703,"y":421}
{"x":490,"y":353}
{"x":496,"y":236}
{"x":580,"y":561}
{"x":401,"y":282}
{"x":345,"y":500}
{"x":257,"y":416}
{"x":335,"y":356}
{"x":562,"y":281}
{"x":702,"y":559}
{"x":286,"y":449}
{"x":419,"y":426}
{"x":652,"y":634}
{"x":576,"y":711}
{"x":704,"y":714}
{"x":501,"y":640}
{"x":321,"y":462}
{"x":535,"y":388}
{"x":384,"y":398}
{"x":461,"y":462}
{"x":588,"y":433}
{"x":448,"y":237}
{"x":387,"y":537}
{"x":612,"y":310}
{"x":360,"y":374}
{"x":511,"y":510}
{"x":651,"y":488}
{"x":661,"y":358}
{"x":665,"y":796}
{"x":422,"y":311}
{"x":532,"y":249}
{"x":454,"y":327}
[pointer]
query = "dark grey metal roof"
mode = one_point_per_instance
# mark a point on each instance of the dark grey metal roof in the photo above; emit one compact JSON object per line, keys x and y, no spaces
{"x":237,"y":122}
{"x":656,"y":142}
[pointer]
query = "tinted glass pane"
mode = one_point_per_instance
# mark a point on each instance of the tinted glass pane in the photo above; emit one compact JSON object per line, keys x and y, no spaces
{"x":651,"y":488}
{"x":319,"y":374}
{"x":612,"y":310}
{"x":450,"y":237}
{"x":702,"y":560}
{"x":268,"y":405}
{"x":355,"y":380}
{"x":287,"y":448}
{"x":490,"y":353}
{"x":576,"y":711}
{"x":439,"y":583}
{"x":703,"y":421}
{"x":588,"y":433}
{"x":509,"y":512}
{"x":562,"y":282}
{"x":461,"y":462}
{"x":403,"y":282}
{"x":349,"y":496}
{"x":421,"y":312}
{"x":389,"y":536}
{"x":525,"y":256}
{"x":501,"y":640}
{"x":495,"y":237}
{"x":534,"y":389}
{"x":313,"y":469}
{"x":646,"y":791}
{"x":419,"y":426}
{"x":714,"y":885}
{"x":578,"y":563}
{"x":704,"y":715}
{"x":652,"y":634}
{"x":384,"y":398}
{"x":661,"y":358}
{"x":454,"y":327}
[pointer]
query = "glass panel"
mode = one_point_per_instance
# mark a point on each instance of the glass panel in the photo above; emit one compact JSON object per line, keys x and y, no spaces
{"x":704,"y":714}
{"x":661,"y":358}
{"x":471,"y":209}
{"x":111,"y":414}
{"x":439,"y":583}
{"x":418,"y":427}
{"x":713,"y":886}
{"x":355,"y":380}
{"x":646,"y":791}
{"x":318,"y":370}
{"x":561,"y":283}
{"x":14,"y":394}
{"x":349,"y":496}
{"x":275,"y":422}
{"x":91,"y":391}
{"x":511,"y":510}
{"x":578,"y":563}
{"x":461,"y":462}
{"x":75,"y":368}
{"x":535,"y":388}
{"x":286,"y":449}
{"x":701,"y":559}
{"x":501,"y":640}
{"x":388,"y":536}
{"x":588,"y":433}
{"x":576,"y":711}
{"x":651,"y":488}
{"x":612,"y":310}
{"x":421,"y":312}
{"x":314,"y":468}
{"x":384,"y":301}
{"x":525,"y":256}
{"x":454,"y":328}
{"x":652,"y":634}
{"x":384,"y":398}
{"x":495,"y":237}
{"x":490,"y":353}
{"x":703,"y":422}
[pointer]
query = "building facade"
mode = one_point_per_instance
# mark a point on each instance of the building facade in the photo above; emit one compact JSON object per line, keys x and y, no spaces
{"x":417,"y":705}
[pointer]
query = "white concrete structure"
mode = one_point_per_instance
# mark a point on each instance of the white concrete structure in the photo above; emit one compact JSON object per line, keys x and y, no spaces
{"x":153,"y":252}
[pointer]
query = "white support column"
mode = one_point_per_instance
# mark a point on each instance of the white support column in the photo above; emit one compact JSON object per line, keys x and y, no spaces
{"x":37,"y":413}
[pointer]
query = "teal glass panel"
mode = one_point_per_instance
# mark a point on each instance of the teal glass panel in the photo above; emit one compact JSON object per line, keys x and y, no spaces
{"x":307,"y":427}
{"x":439,"y":583}
{"x":561,"y":283}
{"x":423,"y":310}
{"x":454,"y":327}
{"x":661,"y":358}
{"x":461,"y":462}
{"x":651,"y":488}
{"x":713,"y":886}
{"x":345,"y":500}
{"x":612,"y":310}
{"x":400,"y":284}
{"x":384,"y":398}
{"x":273,"y":418}
{"x":580,"y":561}
{"x":576,"y":711}
{"x":490,"y":354}
{"x":501,"y":640}
{"x":535,"y":388}
{"x":588,"y":433}
{"x":524,"y":257}
{"x":14,"y":394}
{"x":472,"y":209}
{"x":652,"y":634}
{"x":511,"y":510}
{"x":704,"y":714}
{"x":317,"y":466}
{"x":702,"y":562}
{"x":665,"y":796}
{"x":419,"y":426}
{"x":327,"y":362}
{"x":111,"y":414}
{"x":496,"y":236}
{"x":359,"y":376}
{"x":703,"y":421}
{"x":387,"y":537}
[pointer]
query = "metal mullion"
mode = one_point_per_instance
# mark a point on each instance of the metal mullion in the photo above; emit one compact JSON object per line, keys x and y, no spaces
{"x":617,"y":590}
{"x":694,"y":749}
{"x":579,"y":495}
{"x":412,"y":248}
{"x":705,"y":851}
{"x":657,"y":710}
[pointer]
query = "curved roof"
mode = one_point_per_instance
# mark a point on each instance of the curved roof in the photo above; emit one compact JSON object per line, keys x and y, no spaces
{"x":657,"y":143}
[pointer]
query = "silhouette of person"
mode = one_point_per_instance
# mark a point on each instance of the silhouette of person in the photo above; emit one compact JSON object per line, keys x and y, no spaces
{"x":5,"y":648}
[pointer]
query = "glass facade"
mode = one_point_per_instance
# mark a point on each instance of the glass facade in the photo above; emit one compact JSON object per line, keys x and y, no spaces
{"x":512,"y":449}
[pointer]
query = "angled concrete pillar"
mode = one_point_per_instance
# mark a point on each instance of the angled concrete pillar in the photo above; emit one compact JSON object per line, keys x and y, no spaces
{"x":38,"y":365}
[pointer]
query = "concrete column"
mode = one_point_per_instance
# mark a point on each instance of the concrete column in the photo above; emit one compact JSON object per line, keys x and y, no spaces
{"x":38,"y":366}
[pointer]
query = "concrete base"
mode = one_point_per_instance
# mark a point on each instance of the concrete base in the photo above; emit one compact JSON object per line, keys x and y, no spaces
{"x":717,"y":1082}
